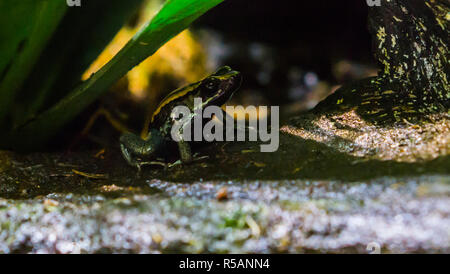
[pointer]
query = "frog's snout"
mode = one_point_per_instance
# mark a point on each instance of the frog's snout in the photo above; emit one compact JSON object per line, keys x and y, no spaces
{"x":237,"y":81}
{"x":233,"y":83}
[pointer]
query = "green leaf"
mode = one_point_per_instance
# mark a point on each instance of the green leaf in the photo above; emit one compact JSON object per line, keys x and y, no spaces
{"x":80,"y":38}
{"x":174,"y":17}
{"x":26,"y":27}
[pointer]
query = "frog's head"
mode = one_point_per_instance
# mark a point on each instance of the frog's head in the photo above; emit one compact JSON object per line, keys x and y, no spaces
{"x":219,"y":87}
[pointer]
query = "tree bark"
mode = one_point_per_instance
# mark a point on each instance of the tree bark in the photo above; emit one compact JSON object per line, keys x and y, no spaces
{"x":410,"y":43}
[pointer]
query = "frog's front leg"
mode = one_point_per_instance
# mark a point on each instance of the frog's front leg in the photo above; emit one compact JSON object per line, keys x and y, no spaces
{"x":186,"y":155}
{"x":185,"y":152}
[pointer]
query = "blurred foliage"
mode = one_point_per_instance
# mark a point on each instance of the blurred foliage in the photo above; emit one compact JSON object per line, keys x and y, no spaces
{"x":46,"y":47}
{"x":180,"y":61}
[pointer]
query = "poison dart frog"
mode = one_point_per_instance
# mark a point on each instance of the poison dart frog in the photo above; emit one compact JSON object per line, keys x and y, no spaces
{"x":215,"y":89}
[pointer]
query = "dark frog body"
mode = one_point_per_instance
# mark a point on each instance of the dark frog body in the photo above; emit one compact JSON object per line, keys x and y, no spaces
{"x":215,"y":89}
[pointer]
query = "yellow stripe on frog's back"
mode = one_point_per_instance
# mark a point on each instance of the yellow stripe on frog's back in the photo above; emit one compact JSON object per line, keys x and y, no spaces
{"x":173,"y":96}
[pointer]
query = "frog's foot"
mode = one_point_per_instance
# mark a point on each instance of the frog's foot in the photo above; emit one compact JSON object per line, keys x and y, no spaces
{"x":139,"y":165}
{"x":150,"y":163}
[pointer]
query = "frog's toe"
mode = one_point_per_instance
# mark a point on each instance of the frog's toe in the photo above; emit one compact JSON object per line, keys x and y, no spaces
{"x":180,"y":162}
{"x":177,"y":163}
{"x":153,"y":163}
{"x":198,"y":159}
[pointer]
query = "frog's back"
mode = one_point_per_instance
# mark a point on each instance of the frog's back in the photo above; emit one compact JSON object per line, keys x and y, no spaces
{"x":178,"y":97}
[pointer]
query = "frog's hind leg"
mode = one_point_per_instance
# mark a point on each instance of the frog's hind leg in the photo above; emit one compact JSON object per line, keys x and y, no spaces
{"x":115,"y":123}
{"x":135,"y":150}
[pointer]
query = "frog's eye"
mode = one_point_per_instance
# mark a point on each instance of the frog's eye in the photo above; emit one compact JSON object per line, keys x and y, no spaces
{"x":223,"y":70}
{"x":211,"y":85}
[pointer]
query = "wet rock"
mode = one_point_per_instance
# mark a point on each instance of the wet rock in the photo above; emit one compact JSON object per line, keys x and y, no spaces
{"x":297,"y":216}
{"x":402,"y":142}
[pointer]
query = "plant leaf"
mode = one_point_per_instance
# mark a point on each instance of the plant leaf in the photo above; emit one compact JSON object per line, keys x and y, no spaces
{"x":26,"y":26}
{"x":79,"y":39}
{"x":174,"y":17}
